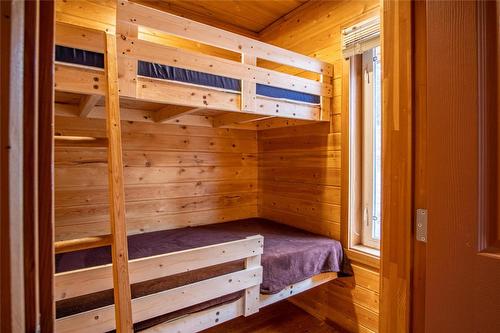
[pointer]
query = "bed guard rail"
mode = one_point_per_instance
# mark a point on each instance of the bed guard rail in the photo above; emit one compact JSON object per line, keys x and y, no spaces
{"x":136,"y":24}
{"x":89,"y":280}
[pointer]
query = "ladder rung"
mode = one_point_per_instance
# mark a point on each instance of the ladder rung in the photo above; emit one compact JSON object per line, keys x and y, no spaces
{"x":82,"y":243}
{"x":82,"y":141}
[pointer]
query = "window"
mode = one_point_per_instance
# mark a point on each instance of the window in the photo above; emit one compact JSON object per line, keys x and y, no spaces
{"x":371,"y":133}
{"x":364,"y":144}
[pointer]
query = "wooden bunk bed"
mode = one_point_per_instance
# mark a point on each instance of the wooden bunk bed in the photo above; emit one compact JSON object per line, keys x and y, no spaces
{"x":121,"y":69}
{"x":223,"y":105}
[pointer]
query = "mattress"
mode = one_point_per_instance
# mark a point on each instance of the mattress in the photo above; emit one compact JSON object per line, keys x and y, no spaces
{"x":159,"y":71}
{"x":290,"y":255}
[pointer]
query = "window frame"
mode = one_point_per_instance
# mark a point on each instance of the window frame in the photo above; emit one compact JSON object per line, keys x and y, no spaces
{"x":351,"y":145}
{"x":368,"y":156}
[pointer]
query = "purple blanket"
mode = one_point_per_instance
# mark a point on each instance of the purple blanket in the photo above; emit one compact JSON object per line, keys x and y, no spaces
{"x":290,"y":255}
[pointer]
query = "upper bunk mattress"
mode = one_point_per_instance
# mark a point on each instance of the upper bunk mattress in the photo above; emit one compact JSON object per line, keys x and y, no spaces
{"x":290,"y":255}
{"x":159,"y":71}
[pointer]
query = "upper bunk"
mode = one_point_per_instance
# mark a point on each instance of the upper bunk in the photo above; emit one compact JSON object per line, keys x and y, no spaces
{"x":163,"y":79}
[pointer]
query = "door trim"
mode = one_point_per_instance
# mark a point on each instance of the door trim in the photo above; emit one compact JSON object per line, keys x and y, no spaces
{"x":397,"y":166}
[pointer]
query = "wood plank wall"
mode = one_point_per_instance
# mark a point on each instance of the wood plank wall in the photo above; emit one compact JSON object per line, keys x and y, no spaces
{"x":299,"y":167}
{"x":183,"y":175}
{"x":175,"y":176}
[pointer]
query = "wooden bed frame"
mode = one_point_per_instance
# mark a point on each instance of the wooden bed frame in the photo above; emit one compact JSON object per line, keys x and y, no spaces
{"x":89,"y":280}
{"x":136,"y":24}
{"x":119,"y":80}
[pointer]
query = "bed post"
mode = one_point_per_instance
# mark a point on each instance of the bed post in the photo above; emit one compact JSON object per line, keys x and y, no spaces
{"x":119,"y":250}
{"x":127,"y":67}
{"x":326,"y":102}
{"x":252,"y":294}
{"x":248,"y":88}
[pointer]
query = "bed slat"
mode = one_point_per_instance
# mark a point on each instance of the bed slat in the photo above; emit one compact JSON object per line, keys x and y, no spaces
{"x":171,"y":56}
{"x":102,"y":319}
{"x":89,"y":280}
{"x":297,"y":288}
{"x":79,"y":37}
{"x":79,"y":79}
{"x":185,"y":28}
{"x":201,"y":320}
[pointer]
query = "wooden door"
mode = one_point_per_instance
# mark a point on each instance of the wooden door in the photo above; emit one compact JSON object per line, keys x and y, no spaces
{"x":463,"y":248}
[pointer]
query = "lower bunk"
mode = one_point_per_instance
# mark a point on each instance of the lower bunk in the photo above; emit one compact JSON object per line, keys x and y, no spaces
{"x":189,"y":279}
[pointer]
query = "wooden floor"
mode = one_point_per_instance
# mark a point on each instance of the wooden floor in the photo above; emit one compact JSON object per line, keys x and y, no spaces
{"x":282,"y":317}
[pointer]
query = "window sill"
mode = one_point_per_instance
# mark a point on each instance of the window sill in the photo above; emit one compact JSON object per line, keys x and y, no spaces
{"x":366,"y":250}
{"x":364,"y":255}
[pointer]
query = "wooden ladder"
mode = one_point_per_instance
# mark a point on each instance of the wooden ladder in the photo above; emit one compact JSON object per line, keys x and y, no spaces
{"x":118,"y":237}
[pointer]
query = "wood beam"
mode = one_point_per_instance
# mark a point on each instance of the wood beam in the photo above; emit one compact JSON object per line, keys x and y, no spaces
{"x":327,"y":102}
{"x":248,"y":88}
{"x":79,"y":37}
{"x":252,"y":299}
{"x":172,"y":112}
{"x":297,"y":288}
{"x":119,"y":250}
{"x":231,"y":118}
{"x":78,"y":80}
{"x":82,"y":243}
{"x":201,"y":320}
{"x":280,"y":122}
{"x":87,"y":103}
{"x":185,"y":28}
{"x":79,"y":141}
{"x":99,"y":112}
{"x":127,"y":67}
{"x":173,"y":8}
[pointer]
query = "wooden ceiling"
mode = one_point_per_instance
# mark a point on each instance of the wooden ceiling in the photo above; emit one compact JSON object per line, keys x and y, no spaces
{"x":250,"y":16}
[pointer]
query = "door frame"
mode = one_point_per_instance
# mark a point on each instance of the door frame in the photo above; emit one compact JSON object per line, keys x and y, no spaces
{"x":397,"y":166}
{"x":26,"y":166}
{"x":403,"y":259}
{"x":12,"y":302}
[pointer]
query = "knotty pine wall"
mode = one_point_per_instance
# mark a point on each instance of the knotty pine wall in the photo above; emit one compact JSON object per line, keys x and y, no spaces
{"x":299,"y":167}
{"x":182,"y":180}
{"x":175,"y":176}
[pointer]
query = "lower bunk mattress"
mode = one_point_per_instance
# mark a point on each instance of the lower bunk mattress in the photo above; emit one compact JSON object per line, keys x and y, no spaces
{"x":290,"y":255}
